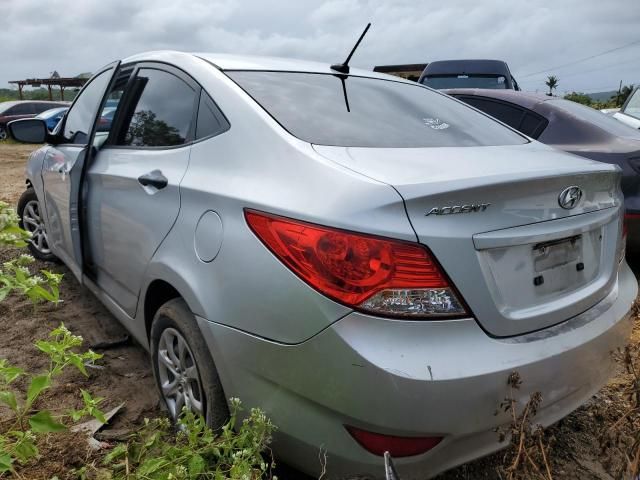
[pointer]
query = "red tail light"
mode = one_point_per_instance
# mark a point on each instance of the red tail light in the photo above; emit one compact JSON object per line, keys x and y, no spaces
{"x":377,"y":443}
{"x":384,"y":276}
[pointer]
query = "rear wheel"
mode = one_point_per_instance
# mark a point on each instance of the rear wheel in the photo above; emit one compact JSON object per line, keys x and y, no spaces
{"x":32,"y":220}
{"x":182,"y":365}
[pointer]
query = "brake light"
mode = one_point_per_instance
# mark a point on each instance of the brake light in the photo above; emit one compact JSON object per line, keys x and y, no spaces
{"x":377,"y":443}
{"x":378,"y":275}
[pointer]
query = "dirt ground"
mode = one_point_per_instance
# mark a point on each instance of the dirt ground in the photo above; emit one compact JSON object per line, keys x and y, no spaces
{"x":125,"y":376}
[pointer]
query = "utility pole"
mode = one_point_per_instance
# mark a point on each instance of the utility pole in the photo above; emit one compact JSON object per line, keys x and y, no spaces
{"x":618,"y":102}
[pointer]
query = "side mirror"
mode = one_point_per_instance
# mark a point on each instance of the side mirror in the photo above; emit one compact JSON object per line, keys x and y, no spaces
{"x":28,"y":130}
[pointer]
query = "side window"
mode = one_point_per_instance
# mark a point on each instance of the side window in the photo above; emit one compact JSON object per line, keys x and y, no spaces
{"x":632,"y":107}
{"x":162,"y":110}
{"x":509,"y":114}
{"x":21,"y":109}
{"x":42,"y":107}
{"x":210,"y":121}
{"x":533,"y":125}
{"x":80,"y":118}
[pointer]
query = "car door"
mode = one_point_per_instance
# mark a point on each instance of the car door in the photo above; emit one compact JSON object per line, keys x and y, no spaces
{"x":63,"y":170}
{"x":132,"y":184}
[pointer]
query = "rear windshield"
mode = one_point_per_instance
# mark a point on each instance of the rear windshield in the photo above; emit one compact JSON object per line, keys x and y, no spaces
{"x":440,"y":82}
{"x":596,"y":117}
{"x":355,"y":111}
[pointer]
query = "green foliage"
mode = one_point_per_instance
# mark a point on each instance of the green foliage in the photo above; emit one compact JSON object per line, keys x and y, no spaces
{"x":19,"y":433}
{"x":16,"y":277}
{"x":579,"y":98}
{"x":11,"y":235}
{"x":195,"y":452}
{"x":14,"y":274}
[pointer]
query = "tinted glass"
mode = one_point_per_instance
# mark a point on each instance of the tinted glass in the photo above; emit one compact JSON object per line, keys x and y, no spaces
{"x":633,"y":105}
{"x":593,"y":116}
{"x":440,"y":82}
{"x":163,"y":111}
{"x":507,"y":113}
{"x":82,"y":114}
{"x":210,"y":119}
{"x":533,"y":125}
{"x":21,"y":109}
{"x":42,"y":107}
{"x":366,"y":112}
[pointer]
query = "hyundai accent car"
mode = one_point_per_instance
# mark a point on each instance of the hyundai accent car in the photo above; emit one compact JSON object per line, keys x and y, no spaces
{"x":364,"y":258}
{"x":574,"y":128}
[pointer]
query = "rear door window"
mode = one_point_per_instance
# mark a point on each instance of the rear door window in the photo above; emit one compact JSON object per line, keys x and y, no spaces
{"x":211,"y":121}
{"x":21,"y":109}
{"x":162,"y":113}
{"x":328,"y":109}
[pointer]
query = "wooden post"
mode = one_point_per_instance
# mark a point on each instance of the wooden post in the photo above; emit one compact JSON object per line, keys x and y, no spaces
{"x":50,"y":95}
{"x":20,"y":91}
{"x":61,"y":92}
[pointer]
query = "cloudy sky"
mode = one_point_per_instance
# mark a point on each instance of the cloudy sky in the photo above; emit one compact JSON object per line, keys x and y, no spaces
{"x":74,"y":36}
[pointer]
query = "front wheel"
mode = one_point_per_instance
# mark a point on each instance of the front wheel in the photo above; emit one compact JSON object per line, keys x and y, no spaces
{"x":182,"y":366}
{"x":3,"y":133}
{"x":32,"y":220}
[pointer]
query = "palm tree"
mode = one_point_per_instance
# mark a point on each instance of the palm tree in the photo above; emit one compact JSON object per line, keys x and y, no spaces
{"x":552,"y":82}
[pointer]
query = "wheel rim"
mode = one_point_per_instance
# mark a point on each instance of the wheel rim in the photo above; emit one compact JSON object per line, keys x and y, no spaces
{"x":178,"y":374}
{"x":3,"y":134}
{"x":34,"y":224}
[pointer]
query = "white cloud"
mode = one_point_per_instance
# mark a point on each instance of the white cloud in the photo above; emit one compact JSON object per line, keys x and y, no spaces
{"x":73,"y":36}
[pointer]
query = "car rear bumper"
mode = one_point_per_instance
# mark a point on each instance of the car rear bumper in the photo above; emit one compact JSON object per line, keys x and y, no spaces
{"x":444,"y":378}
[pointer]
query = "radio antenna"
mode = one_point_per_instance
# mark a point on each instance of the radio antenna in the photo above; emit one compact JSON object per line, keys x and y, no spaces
{"x":344,"y":67}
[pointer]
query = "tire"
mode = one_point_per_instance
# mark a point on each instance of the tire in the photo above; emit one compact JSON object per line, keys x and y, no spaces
{"x":3,"y":132}
{"x":172,"y":323}
{"x":32,"y":220}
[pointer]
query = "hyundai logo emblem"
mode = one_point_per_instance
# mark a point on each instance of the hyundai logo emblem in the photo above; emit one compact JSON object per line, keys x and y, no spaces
{"x":570,"y":197}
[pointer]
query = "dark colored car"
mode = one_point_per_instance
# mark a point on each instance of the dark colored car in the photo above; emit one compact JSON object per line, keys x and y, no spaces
{"x":574,"y":128}
{"x":494,"y":74}
{"x":23,"y":109}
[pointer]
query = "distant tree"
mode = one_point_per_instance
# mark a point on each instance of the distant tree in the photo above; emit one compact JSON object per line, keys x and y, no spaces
{"x":579,"y":98}
{"x":622,"y":96}
{"x":552,"y":83}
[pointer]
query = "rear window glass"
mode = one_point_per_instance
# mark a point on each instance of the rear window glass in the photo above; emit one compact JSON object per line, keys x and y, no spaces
{"x":355,"y":111}
{"x":594,"y":116}
{"x":440,"y":82}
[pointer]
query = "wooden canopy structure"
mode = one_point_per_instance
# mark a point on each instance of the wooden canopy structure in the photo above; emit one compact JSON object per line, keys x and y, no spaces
{"x":50,"y":83}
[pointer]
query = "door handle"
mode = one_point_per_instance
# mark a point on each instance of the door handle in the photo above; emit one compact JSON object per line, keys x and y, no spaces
{"x":154,"y":179}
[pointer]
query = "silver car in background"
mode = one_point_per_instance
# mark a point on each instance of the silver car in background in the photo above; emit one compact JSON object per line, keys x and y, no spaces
{"x":362,"y":257}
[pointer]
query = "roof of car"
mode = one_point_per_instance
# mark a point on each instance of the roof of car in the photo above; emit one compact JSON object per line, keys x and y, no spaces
{"x":225,"y":61}
{"x":524,"y":99}
{"x":478,"y":66}
{"x":11,"y":103}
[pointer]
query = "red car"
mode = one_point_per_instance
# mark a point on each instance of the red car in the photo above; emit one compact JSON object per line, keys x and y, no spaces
{"x":23,"y":109}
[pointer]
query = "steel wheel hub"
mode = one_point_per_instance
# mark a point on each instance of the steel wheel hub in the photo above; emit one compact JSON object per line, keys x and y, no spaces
{"x":34,"y":224}
{"x":178,"y":374}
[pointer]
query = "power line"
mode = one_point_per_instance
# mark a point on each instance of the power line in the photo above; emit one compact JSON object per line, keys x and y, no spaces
{"x":606,"y":52}
{"x":616,"y":64}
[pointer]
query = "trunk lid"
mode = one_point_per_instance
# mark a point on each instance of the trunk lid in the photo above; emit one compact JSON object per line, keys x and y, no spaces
{"x":492,"y":217}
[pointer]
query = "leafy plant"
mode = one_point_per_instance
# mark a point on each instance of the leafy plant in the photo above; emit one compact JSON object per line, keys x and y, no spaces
{"x":195,"y":451}
{"x":14,"y":274}
{"x":16,"y":277}
{"x":19,"y":432}
{"x":11,"y":235}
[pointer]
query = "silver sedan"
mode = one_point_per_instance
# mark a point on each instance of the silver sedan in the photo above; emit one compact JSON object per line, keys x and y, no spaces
{"x":362,"y":257}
